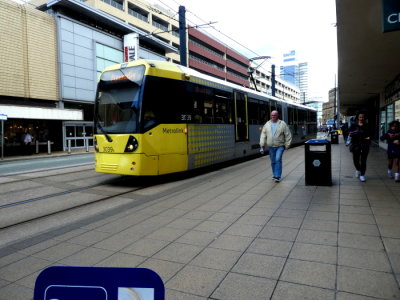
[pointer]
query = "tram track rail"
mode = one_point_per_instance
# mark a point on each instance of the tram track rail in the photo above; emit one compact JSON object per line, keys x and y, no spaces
{"x":61,"y":196}
{"x":22,"y":173}
{"x":74,"y":195}
{"x":53,"y":213}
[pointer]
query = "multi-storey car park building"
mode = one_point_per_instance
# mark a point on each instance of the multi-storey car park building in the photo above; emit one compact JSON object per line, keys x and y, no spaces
{"x":211,"y":57}
{"x":54,"y":51}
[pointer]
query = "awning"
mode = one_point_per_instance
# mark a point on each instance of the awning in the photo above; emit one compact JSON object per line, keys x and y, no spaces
{"x":41,"y":113}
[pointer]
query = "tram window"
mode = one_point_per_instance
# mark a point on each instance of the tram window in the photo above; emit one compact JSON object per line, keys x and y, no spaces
{"x":273,"y":105}
{"x":312,"y":117}
{"x":198,"y":108}
{"x":220,"y":110}
{"x":253,"y":111}
{"x":264,"y":112}
{"x":203,"y":105}
{"x":221,"y":107}
{"x":302,"y":116}
{"x":167,"y":100}
{"x":208,"y":111}
{"x":149,"y":119}
{"x":197,"y":111}
{"x":291,"y":120}
{"x":279,"y":109}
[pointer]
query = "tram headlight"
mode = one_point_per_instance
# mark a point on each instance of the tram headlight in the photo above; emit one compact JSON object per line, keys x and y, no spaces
{"x":132,"y":144}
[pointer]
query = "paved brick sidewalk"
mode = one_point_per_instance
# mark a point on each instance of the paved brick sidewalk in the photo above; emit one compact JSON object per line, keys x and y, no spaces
{"x":235,"y":234}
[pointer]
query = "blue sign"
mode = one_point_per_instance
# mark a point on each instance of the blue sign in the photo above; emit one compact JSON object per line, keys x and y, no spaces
{"x":391,"y":15}
{"x":83,"y":283}
{"x":315,"y":141}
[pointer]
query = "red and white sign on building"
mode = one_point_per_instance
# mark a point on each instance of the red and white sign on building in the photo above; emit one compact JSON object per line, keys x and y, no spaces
{"x":131,"y":47}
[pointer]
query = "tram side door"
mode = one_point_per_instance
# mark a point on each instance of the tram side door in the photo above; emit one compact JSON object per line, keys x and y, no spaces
{"x":241,"y":120}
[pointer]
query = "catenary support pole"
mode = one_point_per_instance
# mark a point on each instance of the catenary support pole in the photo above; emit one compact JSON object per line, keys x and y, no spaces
{"x":182,"y":35}
{"x":273,"y":80}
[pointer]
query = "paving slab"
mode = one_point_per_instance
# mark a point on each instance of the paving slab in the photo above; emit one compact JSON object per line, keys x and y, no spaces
{"x":234,"y":234}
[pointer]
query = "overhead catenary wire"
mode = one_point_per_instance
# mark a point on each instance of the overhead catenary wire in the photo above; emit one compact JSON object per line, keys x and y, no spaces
{"x":217,"y":30}
{"x":167,"y":31}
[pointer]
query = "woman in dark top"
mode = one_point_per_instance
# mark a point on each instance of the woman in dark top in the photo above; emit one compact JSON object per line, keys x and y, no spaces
{"x":392,"y":136}
{"x":360,"y":141}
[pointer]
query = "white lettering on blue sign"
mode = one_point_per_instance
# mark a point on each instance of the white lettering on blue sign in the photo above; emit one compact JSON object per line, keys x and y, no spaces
{"x":394,"y":18}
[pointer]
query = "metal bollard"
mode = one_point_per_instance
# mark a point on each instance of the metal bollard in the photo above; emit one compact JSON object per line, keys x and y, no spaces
{"x":37,"y":146}
{"x":48,"y":147}
{"x":87,"y":145}
{"x":69,"y":146}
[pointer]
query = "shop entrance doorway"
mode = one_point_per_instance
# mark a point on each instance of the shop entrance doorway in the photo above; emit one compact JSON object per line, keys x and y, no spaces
{"x":78,"y":134}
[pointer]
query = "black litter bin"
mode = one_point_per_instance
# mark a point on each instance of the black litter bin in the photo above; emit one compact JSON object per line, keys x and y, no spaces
{"x":318,"y":162}
{"x":334,"y":137}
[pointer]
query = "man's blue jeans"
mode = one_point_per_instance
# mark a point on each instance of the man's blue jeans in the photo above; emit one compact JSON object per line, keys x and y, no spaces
{"x":275,"y":154}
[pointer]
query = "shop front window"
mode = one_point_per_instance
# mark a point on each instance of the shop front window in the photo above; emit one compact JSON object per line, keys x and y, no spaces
{"x":383,"y":121}
{"x":15,"y":130}
{"x":397,"y":110}
{"x":41,"y":131}
{"x":389,"y":115}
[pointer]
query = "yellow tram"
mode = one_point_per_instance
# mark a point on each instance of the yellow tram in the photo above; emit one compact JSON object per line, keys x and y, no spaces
{"x":156,"y":117}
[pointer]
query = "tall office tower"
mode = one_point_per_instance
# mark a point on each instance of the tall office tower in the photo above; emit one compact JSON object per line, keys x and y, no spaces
{"x":289,"y":67}
{"x":296,"y":73}
{"x":302,"y":81}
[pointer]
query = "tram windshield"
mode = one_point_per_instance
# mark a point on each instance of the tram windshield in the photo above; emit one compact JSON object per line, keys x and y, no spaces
{"x":118,"y":101}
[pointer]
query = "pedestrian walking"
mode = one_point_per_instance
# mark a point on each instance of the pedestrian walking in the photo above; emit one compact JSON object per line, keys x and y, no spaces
{"x":360,"y":141}
{"x":392,"y":136}
{"x":277,"y":136}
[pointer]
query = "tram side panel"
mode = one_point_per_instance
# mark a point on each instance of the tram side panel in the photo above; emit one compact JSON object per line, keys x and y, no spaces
{"x":210,"y":144}
{"x":170,"y":142}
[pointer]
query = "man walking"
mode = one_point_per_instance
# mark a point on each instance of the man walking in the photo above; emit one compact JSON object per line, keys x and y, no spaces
{"x":276,"y":134}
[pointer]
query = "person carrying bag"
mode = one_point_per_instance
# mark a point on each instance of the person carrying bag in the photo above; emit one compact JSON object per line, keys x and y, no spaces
{"x":359,"y":146}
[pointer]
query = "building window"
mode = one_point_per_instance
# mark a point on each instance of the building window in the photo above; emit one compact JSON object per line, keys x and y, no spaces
{"x":107,"y":56}
{"x":160,"y":24}
{"x":206,"y":61}
{"x":206,"y":47}
{"x":138,"y":13}
{"x":116,"y":3}
{"x":176,"y":46}
{"x":239,"y":63}
{"x":237,"y":74}
{"x":175,"y":31}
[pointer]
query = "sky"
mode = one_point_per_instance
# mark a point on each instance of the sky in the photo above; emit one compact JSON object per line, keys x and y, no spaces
{"x":271,"y":28}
